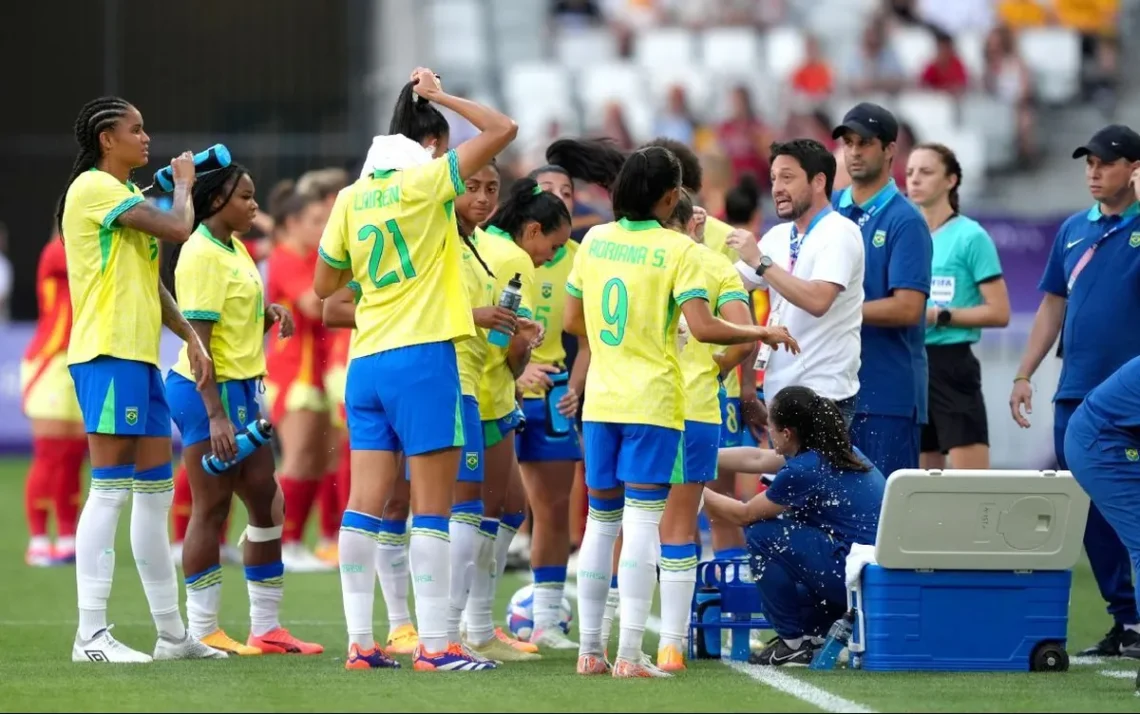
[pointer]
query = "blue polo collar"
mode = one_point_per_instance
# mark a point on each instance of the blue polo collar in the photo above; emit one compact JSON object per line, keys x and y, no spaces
{"x":1095,"y":214}
{"x":875,"y":203}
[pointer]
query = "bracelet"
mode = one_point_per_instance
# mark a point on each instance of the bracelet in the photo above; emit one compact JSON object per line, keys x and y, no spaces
{"x":1020,"y":378}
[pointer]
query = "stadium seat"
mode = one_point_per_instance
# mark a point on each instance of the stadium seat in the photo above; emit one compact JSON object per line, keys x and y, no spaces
{"x":658,"y":48}
{"x":732,"y":50}
{"x":914,"y":47}
{"x":538,"y":89}
{"x":971,"y":48}
{"x":784,"y":49}
{"x":968,"y":144}
{"x":1054,"y":56}
{"x":997,"y":122}
{"x":699,"y":91}
{"x":621,"y":82}
{"x":930,"y":114}
{"x":572,"y":48}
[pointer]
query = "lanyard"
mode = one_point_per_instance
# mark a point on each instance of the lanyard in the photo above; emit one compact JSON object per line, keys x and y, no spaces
{"x":1116,"y":227}
{"x":796,"y":241}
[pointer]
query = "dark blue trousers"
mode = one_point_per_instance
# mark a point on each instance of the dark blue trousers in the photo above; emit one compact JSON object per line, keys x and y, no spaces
{"x":799,"y":570}
{"x":1107,"y":555}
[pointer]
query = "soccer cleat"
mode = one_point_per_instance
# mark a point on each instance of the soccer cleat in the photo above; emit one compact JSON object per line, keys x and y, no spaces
{"x":281,"y":641}
{"x":298,"y":559}
{"x":329,"y":552}
{"x":642,"y":669}
{"x":186,"y":648}
{"x":219,"y":640}
{"x":779,"y":654}
{"x":61,"y":555}
{"x":369,"y":659}
{"x":670,"y":659}
{"x":593,"y":664}
{"x":1115,"y":641}
{"x":552,"y":639}
{"x":500,"y":651}
{"x":403,"y":640}
{"x":512,"y":642}
{"x":105,"y":648}
{"x":455,"y":658}
{"x":38,"y":557}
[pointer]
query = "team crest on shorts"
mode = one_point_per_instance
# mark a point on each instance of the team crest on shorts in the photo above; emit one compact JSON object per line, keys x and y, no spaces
{"x":879,"y":239}
{"x":1132,"y":454}
{"x":131,"y":415}
{"x":1134,"y":240}
{"x":241,"y":415}
{"x":472,"y":460}
{"x":548,"y":288}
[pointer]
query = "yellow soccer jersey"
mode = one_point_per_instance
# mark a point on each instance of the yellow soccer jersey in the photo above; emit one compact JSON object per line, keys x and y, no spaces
{"x":220,"y":283}
{"x":112,"y":271}
{"x":396,"y":231}
{"x":699,"y":369}
{"x":472,"y":354}
{"x":505,"y":259}
{"x":549,"y":305}
{"x":716,"y":233}
{"x":632,"y":278}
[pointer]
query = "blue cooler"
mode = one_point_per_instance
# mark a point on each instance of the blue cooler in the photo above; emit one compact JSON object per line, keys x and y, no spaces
{"x":972,"y":573}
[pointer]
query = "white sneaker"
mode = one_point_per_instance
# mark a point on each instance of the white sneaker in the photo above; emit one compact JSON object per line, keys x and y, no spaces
{"x":553,"y":639}
{"x":298,"y":559}
{"x":188,"y":648}
{"x":105,"y":648}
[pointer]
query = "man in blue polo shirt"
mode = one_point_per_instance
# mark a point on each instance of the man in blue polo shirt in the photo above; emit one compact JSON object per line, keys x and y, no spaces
{"x":1092,"y":291}
{"x":891,"y":406}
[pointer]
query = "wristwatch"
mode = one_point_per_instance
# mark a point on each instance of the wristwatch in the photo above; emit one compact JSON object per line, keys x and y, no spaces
{"x":765,"y":263}
{"x":944,"y":317}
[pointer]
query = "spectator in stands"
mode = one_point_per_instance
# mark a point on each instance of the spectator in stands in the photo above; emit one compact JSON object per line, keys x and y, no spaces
{"x":956,"y":17}
{"x":1096,"y":22}
{"x":1007,"y":77}
{"x":676,"y":121}
{"x":716,"y":182}
{"x":946,"y":72}
{"x":744,"y":137}
{"x":1089,"y":284}
{"x":575,"y":14}
{"x":814,"y":78}
{"x":875,"y":67}
{"x":615,"y":127}
{"x":903,"y":145}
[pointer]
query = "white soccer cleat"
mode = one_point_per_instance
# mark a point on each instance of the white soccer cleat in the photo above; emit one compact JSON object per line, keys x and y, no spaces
{"x":552,"y":639}
{"x":106,"y":649}
{"x":188,"y":648}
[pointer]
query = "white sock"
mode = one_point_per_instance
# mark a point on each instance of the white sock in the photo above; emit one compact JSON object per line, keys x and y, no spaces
{"x":595,"y":563}
{"x":509,"y":526}
{"x":613,"y":599}
{"x":65,"y":543}
{"x":357,"y":552}
{"x":637,"y":565}
{"x":150,"y":544}
{"x":95,"y":544}
{"x":549,"y":586}
{"x":392,"y":567}
{"x":465,"y":539}
{"x":266,"y":585}
{"x":430,"y":556}
{"x":479,"y":618}
{"x":204,"y":601}
{"x":678,"y":581}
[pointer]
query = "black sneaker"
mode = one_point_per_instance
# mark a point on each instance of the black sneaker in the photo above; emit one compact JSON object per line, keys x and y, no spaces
{"x":777,"y":653}
{"x":1114,"y":643}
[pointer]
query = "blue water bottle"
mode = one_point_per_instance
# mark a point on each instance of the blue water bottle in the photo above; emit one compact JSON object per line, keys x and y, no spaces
{"x":214,"y":158}
{"x":557,"y":424}
{"x":837,"y":639}
{"x":510,"y":299}
{"x":253,"y":436}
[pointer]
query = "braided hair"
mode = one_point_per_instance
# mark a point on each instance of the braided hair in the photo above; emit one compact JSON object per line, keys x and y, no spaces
{"x":208,"y":188}
{"x":96,"y":117}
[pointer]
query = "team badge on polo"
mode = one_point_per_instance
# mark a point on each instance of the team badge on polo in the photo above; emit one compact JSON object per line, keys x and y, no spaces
{"x":879,"y":239}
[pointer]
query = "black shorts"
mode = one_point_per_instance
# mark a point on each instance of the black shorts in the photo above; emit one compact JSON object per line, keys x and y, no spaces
{"x":957,"y":415}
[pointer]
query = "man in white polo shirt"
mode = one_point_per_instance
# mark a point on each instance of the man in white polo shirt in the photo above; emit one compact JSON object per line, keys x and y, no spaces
{"x":813,"y":268}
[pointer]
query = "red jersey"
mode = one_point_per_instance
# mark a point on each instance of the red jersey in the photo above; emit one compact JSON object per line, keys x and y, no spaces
{"x":53,"y":327}
{"x":304,"y":356}
{"x":339,"y":342}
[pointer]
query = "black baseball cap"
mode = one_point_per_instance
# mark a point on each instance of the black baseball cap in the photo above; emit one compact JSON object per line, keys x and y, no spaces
{"x":1112,"y":143}
{"x":869,"y":121}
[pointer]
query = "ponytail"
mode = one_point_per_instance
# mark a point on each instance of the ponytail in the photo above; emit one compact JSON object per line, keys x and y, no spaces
{"x":819,"y":426}
{"x":647,"y":175}
{"x":596,"y":161}
{"x":415,"y":117}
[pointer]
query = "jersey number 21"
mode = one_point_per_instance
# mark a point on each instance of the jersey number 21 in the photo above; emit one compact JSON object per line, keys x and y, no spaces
{"x":376,"y":234}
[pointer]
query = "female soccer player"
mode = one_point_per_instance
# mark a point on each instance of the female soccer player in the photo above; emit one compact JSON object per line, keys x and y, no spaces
{"x":295,"y":387}
{"x":548,"y":456}
{"x":220,"y":292}
{"x":59,"y":443}
{"x":394,"y":233}
{"x":826,"y":497}
{"x":526,"y":231}
{"x":967,"y":293}
{"x":111,"y":238}
{"x":628,"y":281}
{"x":702,"y":369}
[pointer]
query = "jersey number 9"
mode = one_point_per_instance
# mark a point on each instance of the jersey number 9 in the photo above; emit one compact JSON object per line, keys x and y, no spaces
{"x":376,"y":234}
{"x":615,"y":311}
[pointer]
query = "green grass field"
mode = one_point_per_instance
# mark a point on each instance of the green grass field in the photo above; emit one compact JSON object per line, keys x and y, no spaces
{"x":38,"y":620}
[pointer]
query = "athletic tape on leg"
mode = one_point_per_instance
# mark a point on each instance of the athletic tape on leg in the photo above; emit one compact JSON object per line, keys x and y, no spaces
{"x":255,"y":534}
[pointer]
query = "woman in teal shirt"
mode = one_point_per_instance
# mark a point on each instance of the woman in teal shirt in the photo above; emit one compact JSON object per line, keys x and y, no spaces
{"x":967,"y":293}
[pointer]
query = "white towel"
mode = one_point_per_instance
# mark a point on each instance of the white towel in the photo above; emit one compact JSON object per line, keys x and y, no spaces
{"x":393,"y":152}
{"x":860,"y":556}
